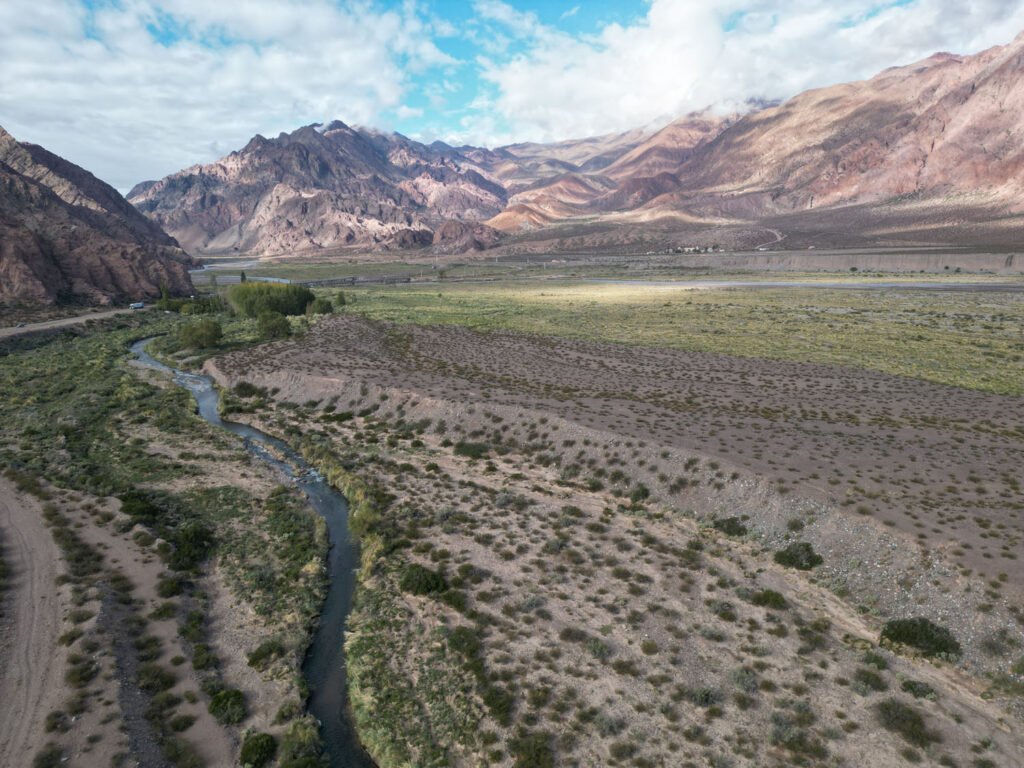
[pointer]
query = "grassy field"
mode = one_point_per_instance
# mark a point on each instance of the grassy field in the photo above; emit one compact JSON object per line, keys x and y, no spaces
{"x":967,"y":339}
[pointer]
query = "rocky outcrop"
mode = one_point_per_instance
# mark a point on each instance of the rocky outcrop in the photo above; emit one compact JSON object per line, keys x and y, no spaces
{"x":67,"y":236}
{"x":464,"y":237}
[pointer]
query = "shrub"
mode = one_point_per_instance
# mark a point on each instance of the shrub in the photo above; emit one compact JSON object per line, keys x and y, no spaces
{"x":870,"y":679}
{"x":923,"y":634}
{"x":203,"y":656}
{"x":769,"y":598}
{"x":532,"y":750}
{"x":50,"y":756}
{"x":266,"y":652}
{"x":301,"y":745}
{"x":258,"y":750}
{"x":181,"y":723}
{"x":168,"y":587}
{"x":918,"y":690}
{"x":204,"y":334}
{"x":228,"y":707}
{"x":418,"y":580}
{"x":639,"y":493}
{"x":252,"y":299}
{"x":273,"y":325}
{"x":896,"y":716}
{"x":247,"y":389}
{"x":730,"y":526}
{"x":799,"y":555}
{"x":471,"y":450}
{"x":152,"y":678}
{"x":319,"y":307}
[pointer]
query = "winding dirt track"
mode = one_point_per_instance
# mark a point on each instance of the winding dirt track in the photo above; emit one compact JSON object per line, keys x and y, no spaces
{"x":30,"y":662}
{"x":12,"y":330}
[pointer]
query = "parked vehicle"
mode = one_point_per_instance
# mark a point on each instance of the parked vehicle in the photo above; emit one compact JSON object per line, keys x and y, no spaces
{"x":137,"y":305}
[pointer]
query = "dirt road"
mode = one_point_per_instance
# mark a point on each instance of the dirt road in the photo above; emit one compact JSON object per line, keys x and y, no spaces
{"x":31,"y":664}
{"x":61,"y":322}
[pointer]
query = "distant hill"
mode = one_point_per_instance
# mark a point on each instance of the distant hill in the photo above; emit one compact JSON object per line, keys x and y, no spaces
{"x":922,"y":148}
{"x":67,"y":236}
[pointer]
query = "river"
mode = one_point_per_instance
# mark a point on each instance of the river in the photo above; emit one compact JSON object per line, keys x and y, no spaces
{"x":324,"y":667}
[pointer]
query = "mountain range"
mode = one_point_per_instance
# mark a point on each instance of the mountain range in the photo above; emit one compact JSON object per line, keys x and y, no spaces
{"x":66,"y":236}
{"x":932,"y":152}
{"x":940,"y":139}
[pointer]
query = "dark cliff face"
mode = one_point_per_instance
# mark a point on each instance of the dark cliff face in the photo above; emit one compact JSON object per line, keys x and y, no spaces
{"x":67,"y":236}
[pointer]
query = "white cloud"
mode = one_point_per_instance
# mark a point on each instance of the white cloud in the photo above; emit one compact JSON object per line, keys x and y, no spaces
{"x":100,"y":90}
{"x":571,"y":12}
{"x":680,"y":57}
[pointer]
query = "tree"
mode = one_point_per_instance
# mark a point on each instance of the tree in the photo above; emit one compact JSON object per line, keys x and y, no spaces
{"x":339,"y":300}
{"x":273,"y":325}
{"x":252,"y":299}
{"x":241,"y":277}
{"x":204,"y":334}
{"x":319,"y":307}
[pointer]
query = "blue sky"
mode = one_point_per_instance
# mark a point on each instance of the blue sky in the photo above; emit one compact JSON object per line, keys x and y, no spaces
{"x":137,"y":89}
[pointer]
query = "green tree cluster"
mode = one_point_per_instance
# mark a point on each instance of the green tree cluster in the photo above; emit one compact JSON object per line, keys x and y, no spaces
{"x":203,"y":334}
{"x":253,"y":299}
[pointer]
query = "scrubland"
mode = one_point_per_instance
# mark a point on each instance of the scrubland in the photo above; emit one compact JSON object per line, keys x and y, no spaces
{"x":592,"y":537}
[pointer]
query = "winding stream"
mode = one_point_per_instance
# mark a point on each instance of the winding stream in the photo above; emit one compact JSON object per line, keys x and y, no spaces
{"x":324,"y":667}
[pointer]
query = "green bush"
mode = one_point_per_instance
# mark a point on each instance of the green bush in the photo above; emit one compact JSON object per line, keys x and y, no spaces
{"x":228,"y":707}
{"x":253,"y":299}
{"x":266,"y":652}
{"x":799,"y":555}
{"x":50,"y":756}
{"x":422,"y":581}
{"x":471,"y":450}
{"x":300,"y":744}
{"x":896,"y":716}
{"x":319,"y":307}
{"x":152,"y":678}
{"x":731,"y":526}
{"x":769,"y":598}
{"x":273,"y":325}
{"x":247,"y":389}
{"x":923,"y":634}
{"x":258,"y":750}
{"x":203,"y":657}
{"x":918,"y":690}
{"x":532,"y":750}
{"x":870,"y":679}
{"x":204,"y":334}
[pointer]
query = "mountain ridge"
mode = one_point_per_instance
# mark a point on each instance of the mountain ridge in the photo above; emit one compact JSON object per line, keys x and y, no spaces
{"x":945,"y":129}
{"x":67,"y":236}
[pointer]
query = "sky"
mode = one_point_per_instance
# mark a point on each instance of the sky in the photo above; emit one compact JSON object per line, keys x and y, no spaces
{"x":137,"y":89}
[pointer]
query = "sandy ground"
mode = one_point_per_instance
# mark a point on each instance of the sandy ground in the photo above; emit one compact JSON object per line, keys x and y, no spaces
{"x":31,"y":662}
{"x":60,"y":323}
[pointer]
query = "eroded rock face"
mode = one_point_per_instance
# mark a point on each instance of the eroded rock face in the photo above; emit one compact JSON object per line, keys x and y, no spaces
{"x":320,"y":187}
{"x":946,"y":126}
{"x":67,"y":236}
{"x":462,"y":237}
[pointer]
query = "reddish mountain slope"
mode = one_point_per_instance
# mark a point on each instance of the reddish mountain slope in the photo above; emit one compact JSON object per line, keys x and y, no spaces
{"x":67,"y":236}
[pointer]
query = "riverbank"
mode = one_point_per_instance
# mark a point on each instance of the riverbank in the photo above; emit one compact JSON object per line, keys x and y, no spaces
{"x":188,"y":620}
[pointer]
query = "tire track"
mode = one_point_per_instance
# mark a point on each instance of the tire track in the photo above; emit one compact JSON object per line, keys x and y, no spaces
{"x":31,"y":664}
